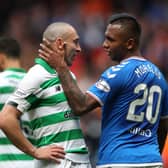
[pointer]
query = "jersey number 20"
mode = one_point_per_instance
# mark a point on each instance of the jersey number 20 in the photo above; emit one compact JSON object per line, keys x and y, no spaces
{"x":148,"y":97}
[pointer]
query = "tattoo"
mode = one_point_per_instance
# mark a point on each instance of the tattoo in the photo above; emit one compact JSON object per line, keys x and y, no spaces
{"x":76,"y":98}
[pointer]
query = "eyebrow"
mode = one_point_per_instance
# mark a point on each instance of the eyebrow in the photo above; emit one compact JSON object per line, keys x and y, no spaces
{"x":109,"y":38}
{"x":76,"y":40}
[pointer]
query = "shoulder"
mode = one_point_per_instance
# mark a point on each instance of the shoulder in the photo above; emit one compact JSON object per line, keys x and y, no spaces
{"x":35,"y":76}
{"x":2,"y":75}
{"x":38,"y":72}
{"x":11,"y":77}
{"x":3,"y":78}
{"x":116,"y":71}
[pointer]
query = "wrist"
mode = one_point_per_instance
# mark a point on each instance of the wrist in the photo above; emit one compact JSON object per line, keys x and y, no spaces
{"x":61,"y":68}
{"x":33,"y":152}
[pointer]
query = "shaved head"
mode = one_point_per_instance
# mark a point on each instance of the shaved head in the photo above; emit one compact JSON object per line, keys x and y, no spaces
{"x":58,"y":29}
{"x":128,"y":24}
{"x":64,"y":36}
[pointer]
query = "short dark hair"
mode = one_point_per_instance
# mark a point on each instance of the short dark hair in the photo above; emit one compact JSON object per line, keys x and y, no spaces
{"x":10,"y":47}
{"x":129,"y":23}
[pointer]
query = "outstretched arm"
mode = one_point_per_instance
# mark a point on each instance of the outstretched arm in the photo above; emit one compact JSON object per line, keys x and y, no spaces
{"x":9,"y":123}
{"x":81,"y":103}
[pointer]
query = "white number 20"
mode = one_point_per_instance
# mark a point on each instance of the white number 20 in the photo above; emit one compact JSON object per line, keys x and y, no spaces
{"x":148,"y":97}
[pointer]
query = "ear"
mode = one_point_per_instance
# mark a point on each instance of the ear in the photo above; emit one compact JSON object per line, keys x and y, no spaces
{"x":130,"y":44}
{"x":2,"y":61}
{"x":60,"y":43}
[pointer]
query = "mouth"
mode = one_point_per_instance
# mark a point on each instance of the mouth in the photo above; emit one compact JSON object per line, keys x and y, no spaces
{"x":107,"y":51}
{"x":73,"y":56}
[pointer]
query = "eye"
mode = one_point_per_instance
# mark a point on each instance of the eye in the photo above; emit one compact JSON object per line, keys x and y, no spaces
{"x":76,"y":41}
{"x":109,"y":38}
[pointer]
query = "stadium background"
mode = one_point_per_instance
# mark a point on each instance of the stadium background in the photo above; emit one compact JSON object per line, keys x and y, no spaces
{"x":25,"y":20}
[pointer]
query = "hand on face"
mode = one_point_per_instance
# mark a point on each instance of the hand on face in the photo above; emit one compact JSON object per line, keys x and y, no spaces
{"x":53,"y":53}
{"x":51,"y":152}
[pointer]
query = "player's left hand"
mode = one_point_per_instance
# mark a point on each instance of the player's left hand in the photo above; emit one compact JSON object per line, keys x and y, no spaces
{"x":52,"y":53}
{"x":50,"y":152}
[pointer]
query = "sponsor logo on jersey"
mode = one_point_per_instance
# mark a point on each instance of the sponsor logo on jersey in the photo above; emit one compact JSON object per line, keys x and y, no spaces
{"x":103,"y":85}
{"x":140,"y":131}
{"x":68,"y":114}
{"x":58,"y":88}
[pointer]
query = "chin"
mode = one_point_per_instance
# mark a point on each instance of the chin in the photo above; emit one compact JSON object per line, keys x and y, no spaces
{"x":112,"y":57}
{"x":115,"y":58}
{"x":69,"y":64}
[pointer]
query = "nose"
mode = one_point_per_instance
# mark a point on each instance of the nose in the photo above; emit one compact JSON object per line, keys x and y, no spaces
{"x":105,"y":45}
{"x":78,"y":49}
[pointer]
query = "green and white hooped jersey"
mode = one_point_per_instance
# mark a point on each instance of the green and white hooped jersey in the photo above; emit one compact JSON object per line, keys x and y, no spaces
{"x":41,"y":95}
{"x":10,"y":156}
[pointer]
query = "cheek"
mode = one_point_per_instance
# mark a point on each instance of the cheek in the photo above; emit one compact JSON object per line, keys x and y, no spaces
{"x":114,"y":47}
{"x":54,"y":45}
{"x":117,"y":47}
{"x":68,"y":49}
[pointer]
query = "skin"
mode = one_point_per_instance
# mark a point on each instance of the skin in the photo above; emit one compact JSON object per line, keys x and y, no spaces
{"x":118,"y":47}
{"x":11,"y":115}
{"x":6,"y":62}
{"x":71,"y":47}
{"x":69,"y":43}
{"x":114,"y":44}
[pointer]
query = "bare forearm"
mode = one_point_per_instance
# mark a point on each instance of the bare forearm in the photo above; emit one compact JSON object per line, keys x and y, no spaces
{"x":11,"y":127}
{"x":15,"y":135}
{"x":79,"y":102}
{"x":76,"y":98}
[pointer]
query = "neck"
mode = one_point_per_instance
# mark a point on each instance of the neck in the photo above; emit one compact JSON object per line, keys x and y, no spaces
{"x":12,"y":64}
{"x":133,"y":54}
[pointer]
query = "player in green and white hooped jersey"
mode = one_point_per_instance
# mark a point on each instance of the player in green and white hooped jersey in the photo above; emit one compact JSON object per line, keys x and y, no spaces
{"x":10,"y":156}
{"x":40,"y":93}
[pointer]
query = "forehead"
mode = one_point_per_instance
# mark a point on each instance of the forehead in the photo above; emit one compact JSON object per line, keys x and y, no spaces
{"x":71,"y":34}
{"x":114,"y":30}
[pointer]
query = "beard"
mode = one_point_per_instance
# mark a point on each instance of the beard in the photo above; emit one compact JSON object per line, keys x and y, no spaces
{"x":69,"y":57}
{"x":118,"y":54}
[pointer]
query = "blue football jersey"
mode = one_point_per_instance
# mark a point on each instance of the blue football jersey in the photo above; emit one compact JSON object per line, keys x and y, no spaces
{"x":133,"y":95}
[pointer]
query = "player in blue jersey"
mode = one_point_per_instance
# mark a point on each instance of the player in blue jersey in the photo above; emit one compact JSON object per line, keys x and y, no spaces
{"x":133,"y":96}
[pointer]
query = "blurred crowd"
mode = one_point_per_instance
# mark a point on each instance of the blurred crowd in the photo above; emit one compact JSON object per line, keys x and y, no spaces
{"x":26,"y":20}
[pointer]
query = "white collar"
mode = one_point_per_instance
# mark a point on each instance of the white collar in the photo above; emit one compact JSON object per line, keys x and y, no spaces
{"x":134,"y":57}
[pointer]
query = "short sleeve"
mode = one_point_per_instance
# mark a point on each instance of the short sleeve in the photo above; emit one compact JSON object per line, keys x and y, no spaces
{"x":27,"y":89}
{"x":107,"y":86}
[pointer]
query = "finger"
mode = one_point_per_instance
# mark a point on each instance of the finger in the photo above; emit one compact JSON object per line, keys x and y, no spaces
{"x":46,"y":42}
{"x":56,"y":147}
{"x":58,"y":151}
{"x":51,"y":47}
{"x":45,"y":48}
{"x":43,"y":57}
{"x":58,"y":155}
{"x":55,"y":159}
{"x":43,"y":53}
